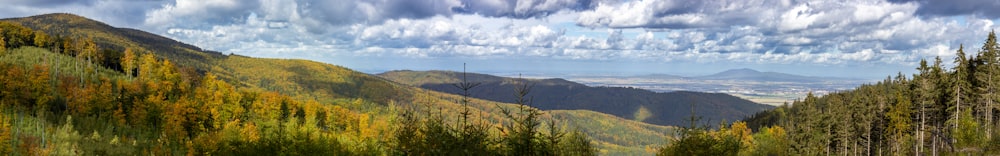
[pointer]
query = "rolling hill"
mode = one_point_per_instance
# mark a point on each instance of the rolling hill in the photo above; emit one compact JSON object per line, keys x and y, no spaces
{"x":671,"y":108}
{"x":304,"y":80}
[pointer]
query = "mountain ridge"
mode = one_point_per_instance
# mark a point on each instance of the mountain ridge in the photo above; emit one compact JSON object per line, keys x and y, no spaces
{"x":754,"y":75}
{"x":669,"y":108}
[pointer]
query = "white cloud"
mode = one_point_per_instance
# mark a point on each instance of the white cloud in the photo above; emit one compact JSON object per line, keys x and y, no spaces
{"x":798,"y":18}
{"x":750,"y":31}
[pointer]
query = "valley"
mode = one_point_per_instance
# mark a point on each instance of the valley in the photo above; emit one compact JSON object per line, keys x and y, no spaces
{"x":762,"y":87}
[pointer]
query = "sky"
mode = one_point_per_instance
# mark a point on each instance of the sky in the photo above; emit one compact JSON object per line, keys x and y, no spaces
{"x":840,"y":38}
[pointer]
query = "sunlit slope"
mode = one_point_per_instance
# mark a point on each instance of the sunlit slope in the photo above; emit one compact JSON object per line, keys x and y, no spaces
{"x":117,"y":39}
{"x":306,"y":80}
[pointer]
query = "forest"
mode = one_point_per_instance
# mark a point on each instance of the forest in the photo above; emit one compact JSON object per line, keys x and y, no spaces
{"x":65,"y":95}
{"x":937,"y":110}
{"x":73,"y":94}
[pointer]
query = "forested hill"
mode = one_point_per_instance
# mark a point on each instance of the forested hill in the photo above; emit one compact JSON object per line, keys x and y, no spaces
{"x":73,"y":86}
{"x":672,"y":108}
{"x":63,"y":27}
{"x":940,"y":109}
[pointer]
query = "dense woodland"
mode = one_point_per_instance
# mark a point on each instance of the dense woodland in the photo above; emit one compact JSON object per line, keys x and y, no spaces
{"x":65,"y":95}
{"x":938,"y":110}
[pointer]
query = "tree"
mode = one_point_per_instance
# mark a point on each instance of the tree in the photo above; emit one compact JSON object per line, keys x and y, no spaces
{"x":576,"y":144}
{"x":147,"y":66}
{"x":42,"y":40}
{"x":968,"y":138}
{"x":3,"y":44}
{"x":65,"y":139}
{"x":987,"y":84}
{"x":129,"y":62}
{"x":6,"y":137}
{"x":771,"y":141}
{"x":960,"y":84}
{"x":522,"y":134}
{"x":899,"y":123}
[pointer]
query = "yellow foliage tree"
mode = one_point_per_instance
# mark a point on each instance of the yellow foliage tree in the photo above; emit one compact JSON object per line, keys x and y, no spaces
{"x":128,"y":61}
{"x":3,"y":44}
{"x":147,"y":66}
{"x":5,"y":134}
{"x":42,"y":39}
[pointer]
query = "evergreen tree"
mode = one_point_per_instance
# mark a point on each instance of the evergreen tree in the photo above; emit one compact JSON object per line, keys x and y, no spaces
{"x":899,"y":124}
{"x":987,"y":83}
{"x":960,"y":82}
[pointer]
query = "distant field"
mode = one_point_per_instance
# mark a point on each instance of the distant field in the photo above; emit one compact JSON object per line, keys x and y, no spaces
{"x":774,"y":100}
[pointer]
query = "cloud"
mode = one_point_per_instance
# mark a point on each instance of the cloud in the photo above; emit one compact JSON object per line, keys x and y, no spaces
{"x":523,"y":8}
{"x":199,"y":13}
{"x":678,"y":14}
{"x":748,"y":32}
{"x":937,"y":8}
{"x":117,"y":13}
{"x":48,"y":3}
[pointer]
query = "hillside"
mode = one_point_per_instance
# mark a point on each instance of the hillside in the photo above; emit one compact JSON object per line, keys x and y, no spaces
{"x":670,"y":108}
{"x":362,"y":108}
{"x":63,"y":26}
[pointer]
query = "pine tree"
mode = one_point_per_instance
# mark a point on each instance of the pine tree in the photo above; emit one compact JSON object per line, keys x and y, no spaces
{"x":960,"y":84}
{"x":899,"y":123}
{"x":987,"y":84}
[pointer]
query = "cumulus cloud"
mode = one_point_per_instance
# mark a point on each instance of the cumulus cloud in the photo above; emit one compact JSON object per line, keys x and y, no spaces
{"x":318,"y":15}
{"x":935,"y":8}
{"x":199,"y":13}
{"x":675,"y":14}
{"x":744,"y":31}
{"x":523,"y":8}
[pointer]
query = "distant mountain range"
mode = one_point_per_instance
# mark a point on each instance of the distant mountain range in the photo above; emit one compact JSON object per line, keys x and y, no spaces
{"x":671,"y":108}
{"x":745,"y":74}
{"x":754,"y":75}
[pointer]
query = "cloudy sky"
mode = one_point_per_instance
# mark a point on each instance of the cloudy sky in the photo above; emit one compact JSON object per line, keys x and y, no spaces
{"x":845,"y":38}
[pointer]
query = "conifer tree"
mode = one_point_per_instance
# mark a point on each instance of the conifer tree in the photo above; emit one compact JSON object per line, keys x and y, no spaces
{"x":960,"y":84}
{"x":987,"y":82}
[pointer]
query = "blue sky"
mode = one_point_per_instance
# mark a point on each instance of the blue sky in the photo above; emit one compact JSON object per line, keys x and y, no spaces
{"x":851,"y":38}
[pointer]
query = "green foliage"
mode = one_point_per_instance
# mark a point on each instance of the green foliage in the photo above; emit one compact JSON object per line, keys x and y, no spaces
{"x":65,"y":140}
{"x":699,"y":141}
{"x":968,"y":136}
{"x":771,"y":141}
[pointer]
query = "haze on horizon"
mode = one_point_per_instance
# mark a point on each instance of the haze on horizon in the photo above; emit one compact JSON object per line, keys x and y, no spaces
{"x":855,"y":38}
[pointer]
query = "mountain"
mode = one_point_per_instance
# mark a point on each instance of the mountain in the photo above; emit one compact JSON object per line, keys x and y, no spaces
{"x":358,"y":107}
{"x":671,"y":108}
{"x":754,"y":75}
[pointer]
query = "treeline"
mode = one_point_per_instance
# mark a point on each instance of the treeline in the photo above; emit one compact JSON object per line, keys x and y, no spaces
{"x":938,"y":110}
{"x":85,"y":100}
